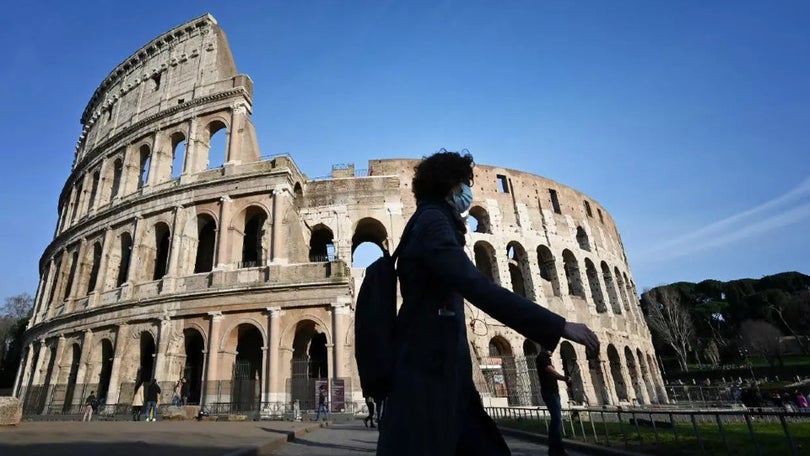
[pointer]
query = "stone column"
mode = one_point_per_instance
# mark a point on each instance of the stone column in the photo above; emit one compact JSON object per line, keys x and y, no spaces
{"x":264,"y":382}
{"x":190,"y":165}
{"x":84,"y":196}
{"x":81,"y":374}
{"x":101,"y":279}
{"x":23,"y":370}
{"x":274,"y":343}
{"x":114,"y":389}
{"x":154,"y":161}
{"x":78,"y":287}
{"x":223,"y":260}
{"x":330,"y":362}
{"x":279,"y":238}
{"x":212,"y":376}
{"x":134,"y":276}
{"x":57,"y":368}
{"x":172,"y":270}
{"x":341,"y":314}
{"x":42,"y":291}
{"x":37,"y":374}
{"x":161,"y":365}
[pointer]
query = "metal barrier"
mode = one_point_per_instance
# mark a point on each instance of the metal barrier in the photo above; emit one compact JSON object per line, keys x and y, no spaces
{"x":672,"y":431}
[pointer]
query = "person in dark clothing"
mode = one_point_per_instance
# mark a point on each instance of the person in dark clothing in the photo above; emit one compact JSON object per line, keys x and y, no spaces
{"x":322,"y":404}
{"x":370,"y":417}
{"x":433,"y":407}
{"x":90,"y":405}
{"x":184,"y":392}
{"x":152,"y":393}
{"x":551,"y":397}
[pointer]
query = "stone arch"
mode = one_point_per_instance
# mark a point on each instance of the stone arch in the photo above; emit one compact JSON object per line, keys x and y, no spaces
{"x":369,"y":230}
{"x":70,"y":375}
{"x":572,"y":274}
{"x":616,"y":372}
{"x":146,"y":356}
{"x":485,"y":260}
{"x":613,"y":297}
{"x":230,"y":335}
{"x":646,"y":376}
{"x":501,"y":373}
{"x":548,"y":271}
{"x":530,"y":354}
{"x":309,"y":362}
{"x":582,"y":239}
{"x":632,"y":300}
{"x":144,"y":160}
{"x":100,"y":368}
{"x":253,"y":244}
{"x":95,"y":181}
{"x":519,"y":271}
{"x":480,"y":222}
{"x":635,"y":379}
{"x":218,"y":134}
{"x":155,"y":251}
{"x":179,"y":150}
{"x":596,"y":288}
{"x":571,"y":368}
{"x":242,"y":349}
{"x":74,"y":263}
{"x":94,"y":258}
{"x":622,"y":289}
{"x":206,"y":243}
{"x":298,"y":195}
{"x":656,"y":378}
{"x":321,"y":244}
{"x":117,"y":175}
{"x":598,"y":379}
{"x":118,"y":261}
{"x":194,"y":344}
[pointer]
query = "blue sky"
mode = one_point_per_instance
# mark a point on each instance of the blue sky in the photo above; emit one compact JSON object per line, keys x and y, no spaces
{"x":689,"y":121}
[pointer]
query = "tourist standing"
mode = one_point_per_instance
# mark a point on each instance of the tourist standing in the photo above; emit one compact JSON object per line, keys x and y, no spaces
{"x":550,"y":393}
{"x":90,"y":405}
{"x":152,"y":393}
{"x":137,"y":403}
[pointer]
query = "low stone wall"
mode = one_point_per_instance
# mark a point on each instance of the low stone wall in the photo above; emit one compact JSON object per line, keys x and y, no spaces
{"x":10,"y":411}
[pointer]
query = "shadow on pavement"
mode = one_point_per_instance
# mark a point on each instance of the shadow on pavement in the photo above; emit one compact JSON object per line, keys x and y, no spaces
{"x":353,"y":449}
{"x":139,"y":448}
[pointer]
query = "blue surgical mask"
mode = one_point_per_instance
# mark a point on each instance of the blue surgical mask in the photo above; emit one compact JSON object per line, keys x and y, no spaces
{"x":462,"y":201}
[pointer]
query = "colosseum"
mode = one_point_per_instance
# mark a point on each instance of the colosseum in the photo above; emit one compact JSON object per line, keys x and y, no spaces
{"x":181,"y":252}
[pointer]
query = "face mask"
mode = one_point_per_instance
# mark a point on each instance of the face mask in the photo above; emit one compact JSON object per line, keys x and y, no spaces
{"x":462,"y":201}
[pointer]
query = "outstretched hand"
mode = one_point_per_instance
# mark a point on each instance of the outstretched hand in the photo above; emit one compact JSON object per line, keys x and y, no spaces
{"x":581,"y":334}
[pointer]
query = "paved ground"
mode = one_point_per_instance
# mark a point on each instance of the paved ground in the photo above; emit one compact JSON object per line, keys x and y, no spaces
{"x":351,"y":439}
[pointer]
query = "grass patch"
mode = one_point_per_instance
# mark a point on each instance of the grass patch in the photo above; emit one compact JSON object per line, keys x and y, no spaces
{"x":769,"y":436}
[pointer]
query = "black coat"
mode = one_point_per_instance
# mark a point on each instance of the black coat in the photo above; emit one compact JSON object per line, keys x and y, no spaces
{"x":433,"y":408}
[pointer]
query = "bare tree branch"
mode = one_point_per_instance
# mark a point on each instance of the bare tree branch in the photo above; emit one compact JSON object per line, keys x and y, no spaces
{"x":669,"y":319}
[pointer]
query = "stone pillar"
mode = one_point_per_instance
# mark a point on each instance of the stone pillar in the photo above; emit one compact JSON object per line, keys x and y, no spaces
{"x":330,"y":362}
{"x":23,"y":370}
{"x":114,"y":389}
{"x":341,"y":315}
{"x":172,"y":270}
{"x":223,"y":260}
{"x":37,"y":374}
{"x":60,"y":347}
{"x":101,"y":280}
{"x":134,"y":276}
{"x":212,"y":376}
{"x":78,"y":287}
{"x":161,"y":364}
{"x":81,"y":375}
{"x":42,"y":290}
{"x":278,"y":256}
{"x":84,"y":196}
{"x":190,"y":161}
{"x":264,"y":379}
{"x":276,"y":394}
{"x":154,"y":161}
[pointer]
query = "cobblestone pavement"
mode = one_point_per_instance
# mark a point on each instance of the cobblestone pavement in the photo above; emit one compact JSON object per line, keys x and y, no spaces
{"x":351,"y":439}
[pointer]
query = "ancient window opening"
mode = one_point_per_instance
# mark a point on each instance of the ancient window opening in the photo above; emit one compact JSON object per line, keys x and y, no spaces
{"x":118,"y":169}
{"x":588,"y":209}
{"x":162,"y":241}
{"x":76,"y":200}
{"x":156,"y":82}
{"x":632,"y":369}
{"x":572,"y":275}
{"x":298,"y":195}
{"x":145,"y":159}
{"x":74,"y":261}
{"x":91,"y":284}
{"x":582,"y":239}
{"x":555,"y":202}
{"x":622,"y":289}
{"x":247,"y":368}
{"x":181,"y":101}
{"x":217,"y":144}
{"x":519,"y":270}
{"x":73,"y":373}
{"x":479,"y":220}
{"x":55,"y":278}
{"x":321,"y":244}
{"x":146,"y":366}
{"x":206,"y":243}
{"x":103,"y":361}
{"x":178,"y":154}
{"x":503,"y":184}
{"x":548,"y":271}
{"x":613,"y":297}
{"x":253,"y":239}
{"x":616,"y":372}
{"x":123,"y":265}
{"x":485,"y":260}
{"x":500,"y":372}
{"x":309,"y":362}
{"x":596,"y":289}
{"x":193,"y":369}
{"x":603,"y":396}
{"x":94,"y":190}
{"x":571,"y":369}
{"x":107,"y":114}
{"x":369,"y":241}
{"x":601,"y":219}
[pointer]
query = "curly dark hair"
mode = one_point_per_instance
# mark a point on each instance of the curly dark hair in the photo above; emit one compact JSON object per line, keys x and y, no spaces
{"x":437,"y":174}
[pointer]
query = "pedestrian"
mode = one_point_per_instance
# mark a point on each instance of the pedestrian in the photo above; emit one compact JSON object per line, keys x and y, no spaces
{"x":90,"y":405}
{"x":137,"y":403}
{"x":176,"y":392}
{"x":370,"y":417}
{"x":184,"y":392}
{"x":432,"y":406}
{"x":322,"y":404}
{"x":152,"y":393}
{"x":550,"y":393}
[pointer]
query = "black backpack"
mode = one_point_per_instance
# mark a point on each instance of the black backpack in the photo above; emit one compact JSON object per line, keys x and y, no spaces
{"x":375,"y":323}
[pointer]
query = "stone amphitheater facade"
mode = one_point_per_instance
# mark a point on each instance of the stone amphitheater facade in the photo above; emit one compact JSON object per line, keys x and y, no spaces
{"x":237,"y":276}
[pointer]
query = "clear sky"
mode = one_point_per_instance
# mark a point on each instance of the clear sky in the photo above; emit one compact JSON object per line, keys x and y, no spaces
{"x":688,"y":120}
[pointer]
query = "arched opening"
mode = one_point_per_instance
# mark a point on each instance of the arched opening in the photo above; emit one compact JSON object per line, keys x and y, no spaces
{"x":530,"y":355}
{"x":118,"y":170}
{"x":548,"y":271}
{"x":576,"y":392}
{"x":616,"y":372}
{"x":178,"y":154}
{"x":105,"y":368}
{"x":309,"y":362}
{"x":70,"y":389}
{"x":91,"y":283}
{"x":77,"y":195}
{"x":572,"y":275}
{"x":146,"y":370}
{"x":519,"y":270}
{"x":125,"y":252}
{"x":217,"y":144}
{"x":371,"y":232}
{"x":298,"y":195}
{"x":611,"y":289}
{"x":145,"y":160}
{"x":321,"y":244}
{"x":91,"y":203}
{"x":499,"y":371}
{"x":479,"y":220}
{"x":193,"y":369}
{"x":47,"y":374}
{"x":582,"y":239}
{"x":247,"y":367}
{"x":655,"y":377}
{"x":588,"y":211}
{"x":485,"y":260}
{"x":596,"y":289}
{"x":253,"y":245}
{"x":74,"y":261}
{"x":632,"y":298}
{"x":206,"y":243}
{"x":646,"y":376}
{"x":598,"y":379}
{"x":635,"y":380}
{"x":622,"y":289}
{"x":162,"y":241}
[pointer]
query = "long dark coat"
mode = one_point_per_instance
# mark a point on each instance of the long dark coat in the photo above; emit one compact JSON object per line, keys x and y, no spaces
{"x":433,"y":408}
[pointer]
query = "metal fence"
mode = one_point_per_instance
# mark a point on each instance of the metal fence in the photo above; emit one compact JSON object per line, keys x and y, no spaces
{"x":672,"y":431}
